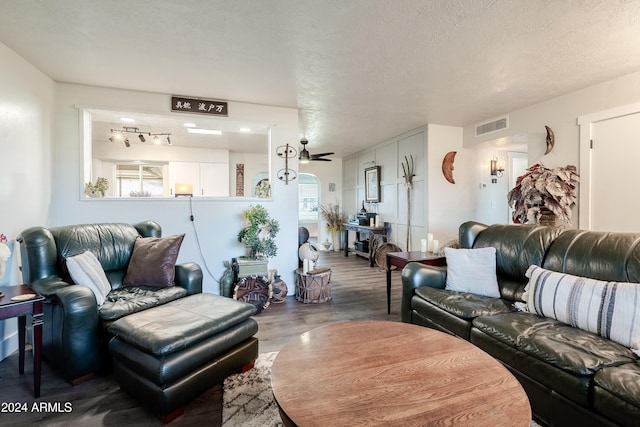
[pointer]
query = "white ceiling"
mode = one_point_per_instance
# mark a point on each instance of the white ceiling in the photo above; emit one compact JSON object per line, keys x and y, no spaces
{"x":359,"y":71}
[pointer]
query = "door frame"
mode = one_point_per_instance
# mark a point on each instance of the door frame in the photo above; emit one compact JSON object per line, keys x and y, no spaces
{"x":585,"y":124}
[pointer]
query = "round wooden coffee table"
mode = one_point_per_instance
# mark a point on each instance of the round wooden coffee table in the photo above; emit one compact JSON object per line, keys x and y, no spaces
{"x":390,"y":373}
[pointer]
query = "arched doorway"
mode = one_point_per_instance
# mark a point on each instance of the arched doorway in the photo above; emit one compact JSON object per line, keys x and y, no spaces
{"x":309,"y":204}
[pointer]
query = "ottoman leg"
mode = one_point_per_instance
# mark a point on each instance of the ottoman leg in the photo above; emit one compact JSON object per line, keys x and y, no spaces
{"x":248,"y":366}
{"x":172,"y":415}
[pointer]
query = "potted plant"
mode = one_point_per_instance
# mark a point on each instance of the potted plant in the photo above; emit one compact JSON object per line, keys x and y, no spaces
{"x":335,"y":219}
{"x":260,"y":232}
{"x":543,"y":195}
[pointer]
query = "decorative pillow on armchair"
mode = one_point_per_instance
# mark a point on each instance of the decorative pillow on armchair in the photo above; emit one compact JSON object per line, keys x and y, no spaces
{"x":472,"y":271}
{"x":609,"y":309}
{"x":153,"y":262}
{"x":85,"y":270}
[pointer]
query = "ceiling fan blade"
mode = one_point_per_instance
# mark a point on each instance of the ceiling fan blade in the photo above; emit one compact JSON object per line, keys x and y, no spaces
{"x":315,"y":159}
{"x":322,"y":154}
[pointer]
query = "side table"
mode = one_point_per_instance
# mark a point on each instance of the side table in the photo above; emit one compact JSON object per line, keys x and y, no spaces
{"x":400,"y":259}
{"x":17,"y":302}
{"x":314,"y":288}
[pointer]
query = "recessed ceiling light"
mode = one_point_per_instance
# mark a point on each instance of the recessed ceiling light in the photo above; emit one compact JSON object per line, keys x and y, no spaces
{"x":204,"y":131}
{"x":245,"y":130}
{"x":189,"y":125}
{"x":127,"y":120}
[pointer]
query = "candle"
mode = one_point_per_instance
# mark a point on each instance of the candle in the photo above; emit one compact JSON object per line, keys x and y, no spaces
{"x":430,"y":242}
{"x":371,"y":222}
{"x":377,"y":220}
{"x":436,"y":246}
{"x":423,"y":245}
{"x":305,"y":266}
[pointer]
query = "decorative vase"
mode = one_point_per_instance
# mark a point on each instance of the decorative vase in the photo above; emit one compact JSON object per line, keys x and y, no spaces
{"x":3,"y":268}
{"x":280,"y":289}
{"x":336,"y":241}
{"x":226,"y":282}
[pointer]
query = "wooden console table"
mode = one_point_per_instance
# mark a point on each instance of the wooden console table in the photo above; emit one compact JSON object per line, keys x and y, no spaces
{"x":17,"y":301}
{"x":371,"y":233}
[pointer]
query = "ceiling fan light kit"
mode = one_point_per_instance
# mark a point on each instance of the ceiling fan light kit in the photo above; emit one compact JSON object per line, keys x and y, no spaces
{"x":305,"y":157}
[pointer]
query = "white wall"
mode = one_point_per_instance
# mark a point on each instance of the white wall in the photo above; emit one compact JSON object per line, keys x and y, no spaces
{"x":26,"y":102}
{"x":449,"y":204}
{"x":217,"y":221}
{"x":561,"y":115}
{"x":437,"y":206}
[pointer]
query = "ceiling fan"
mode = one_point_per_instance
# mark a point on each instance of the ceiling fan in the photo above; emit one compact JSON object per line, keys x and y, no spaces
{"x":305,"y":157}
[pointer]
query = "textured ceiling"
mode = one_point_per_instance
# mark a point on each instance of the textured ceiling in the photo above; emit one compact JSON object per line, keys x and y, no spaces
{"x":359,"y":71}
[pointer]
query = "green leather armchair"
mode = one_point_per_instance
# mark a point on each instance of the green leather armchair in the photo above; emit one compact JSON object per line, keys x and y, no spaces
{"x":74,"y":340}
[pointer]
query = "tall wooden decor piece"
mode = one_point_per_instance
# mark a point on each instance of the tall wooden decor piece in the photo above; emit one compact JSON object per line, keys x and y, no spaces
{"x":408,"y":167}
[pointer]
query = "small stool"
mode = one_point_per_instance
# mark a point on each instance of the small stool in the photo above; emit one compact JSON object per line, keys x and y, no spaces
{"x":167,"y":355}
{"x":313,"y":288}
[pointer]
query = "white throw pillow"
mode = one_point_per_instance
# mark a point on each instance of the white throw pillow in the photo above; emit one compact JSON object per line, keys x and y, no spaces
{"x":609,"y":309}
{"x":85,"y":270}
{"x":473,"y":271}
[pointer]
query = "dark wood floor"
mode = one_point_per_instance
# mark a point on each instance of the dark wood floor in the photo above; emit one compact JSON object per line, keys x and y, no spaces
{"x":359,"y":292}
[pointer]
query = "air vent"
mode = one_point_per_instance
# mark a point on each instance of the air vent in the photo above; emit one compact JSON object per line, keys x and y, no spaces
{"x":492,"y":126}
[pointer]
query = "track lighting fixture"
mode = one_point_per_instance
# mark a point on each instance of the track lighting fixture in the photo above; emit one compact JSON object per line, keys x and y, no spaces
{"x":117,"y":135}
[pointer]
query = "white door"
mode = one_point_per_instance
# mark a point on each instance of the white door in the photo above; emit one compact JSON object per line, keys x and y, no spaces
{"x":615,"y":195}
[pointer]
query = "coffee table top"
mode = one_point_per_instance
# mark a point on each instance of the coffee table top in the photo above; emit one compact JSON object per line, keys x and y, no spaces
{"x":378,"y":372}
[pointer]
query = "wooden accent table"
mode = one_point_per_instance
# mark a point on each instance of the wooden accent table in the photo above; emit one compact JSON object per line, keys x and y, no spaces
{"x":390,"y":373}
{"x":20,"y":309}
{"x":400,"y":259}
{"x":371,"y":232}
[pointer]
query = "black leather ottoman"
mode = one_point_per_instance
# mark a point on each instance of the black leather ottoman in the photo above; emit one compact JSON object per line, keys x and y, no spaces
{"x":167,"y":355}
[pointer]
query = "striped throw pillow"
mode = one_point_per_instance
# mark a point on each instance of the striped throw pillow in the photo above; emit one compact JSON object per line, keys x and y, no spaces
{"x":609,"y":309}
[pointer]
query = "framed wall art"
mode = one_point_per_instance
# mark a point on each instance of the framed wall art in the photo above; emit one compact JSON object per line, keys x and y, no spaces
{"x":372,"y":184}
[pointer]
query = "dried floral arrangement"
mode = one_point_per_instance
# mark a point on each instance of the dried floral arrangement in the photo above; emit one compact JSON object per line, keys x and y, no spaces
{"x":334,"y":217}
{"x":539,"y":188}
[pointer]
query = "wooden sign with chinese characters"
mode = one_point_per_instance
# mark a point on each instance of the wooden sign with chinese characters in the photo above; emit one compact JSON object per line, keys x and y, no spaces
{"x":199,"y":106}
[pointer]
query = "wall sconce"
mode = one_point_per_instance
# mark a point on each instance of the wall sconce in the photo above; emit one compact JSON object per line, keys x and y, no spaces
{"x":497,"y":170}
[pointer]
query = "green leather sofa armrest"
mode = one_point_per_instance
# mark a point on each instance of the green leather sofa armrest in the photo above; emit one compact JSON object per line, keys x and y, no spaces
{"x":415,"y":275}
{"x":74,"y":320}
{"x":189,"y":276}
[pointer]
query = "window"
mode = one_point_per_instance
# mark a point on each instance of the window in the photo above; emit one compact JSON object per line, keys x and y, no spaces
{"x":139,"y":181}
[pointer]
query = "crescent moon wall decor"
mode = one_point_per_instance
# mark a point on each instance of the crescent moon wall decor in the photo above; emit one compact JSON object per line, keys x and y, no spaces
{"x":447,"y":166}
{"x":551,"y":140}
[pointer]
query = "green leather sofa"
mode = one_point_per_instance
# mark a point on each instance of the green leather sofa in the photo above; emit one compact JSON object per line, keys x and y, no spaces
{"x":74,"y":336}
{"x":572,"y":377}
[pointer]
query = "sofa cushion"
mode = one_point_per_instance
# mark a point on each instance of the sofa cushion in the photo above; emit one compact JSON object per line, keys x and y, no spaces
{"x":621,"y":381}
{"x":608,"y":309}
{"x":462,"y":304}
{"x":570,"y":349}
{"x":124,"y":301}
{"x":472,"y":270}
{"x":85,"y":270}
{"x":153,"y":261}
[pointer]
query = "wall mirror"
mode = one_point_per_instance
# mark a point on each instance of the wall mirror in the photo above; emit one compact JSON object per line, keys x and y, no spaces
{"x":147,"y":155}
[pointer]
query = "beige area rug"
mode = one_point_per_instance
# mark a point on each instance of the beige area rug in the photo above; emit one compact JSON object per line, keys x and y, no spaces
{"x":247,"y":399}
